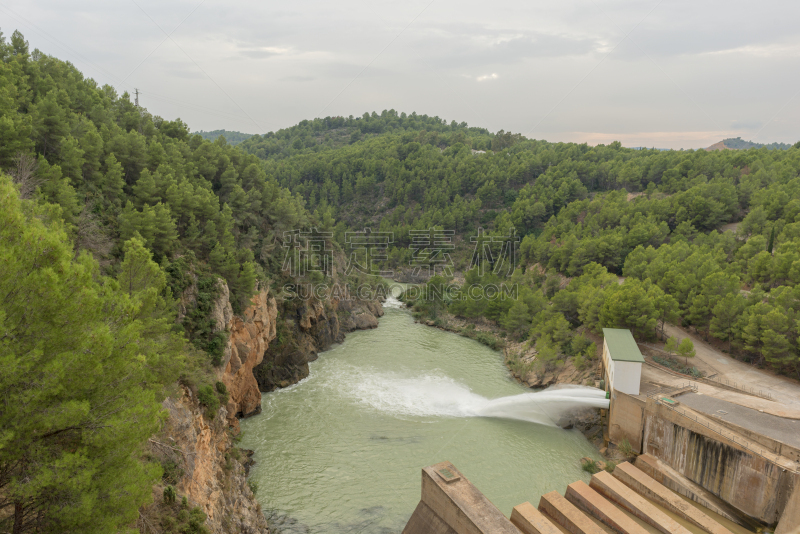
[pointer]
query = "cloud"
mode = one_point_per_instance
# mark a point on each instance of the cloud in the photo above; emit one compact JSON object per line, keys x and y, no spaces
{"x":298,"y":78}
{"x":683,"y":74}
{"x":263,"y":52}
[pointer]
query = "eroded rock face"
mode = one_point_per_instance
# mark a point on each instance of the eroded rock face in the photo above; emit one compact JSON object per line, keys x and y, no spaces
{"x":250,"y":335}
{"x":314,"y":327}
{"x":564,"y":374}
{"x":222,"y":313}
{"x":213,"y":478}
{"x":359,"y":314}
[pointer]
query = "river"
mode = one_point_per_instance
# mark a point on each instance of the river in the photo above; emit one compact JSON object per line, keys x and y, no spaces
{"x":342,"y":450}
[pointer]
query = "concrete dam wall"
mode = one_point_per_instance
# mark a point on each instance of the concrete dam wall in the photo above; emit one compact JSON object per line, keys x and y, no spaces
{"x":750,"y":482}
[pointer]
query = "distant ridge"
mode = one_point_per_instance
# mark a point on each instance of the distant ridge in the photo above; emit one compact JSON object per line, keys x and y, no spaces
{"x":233,"y":138}
{"x":737,"y":143}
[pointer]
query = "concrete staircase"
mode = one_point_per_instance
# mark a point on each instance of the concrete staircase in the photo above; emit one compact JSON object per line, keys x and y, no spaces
{"x":450,"y":504}
{"x":604,"y":499}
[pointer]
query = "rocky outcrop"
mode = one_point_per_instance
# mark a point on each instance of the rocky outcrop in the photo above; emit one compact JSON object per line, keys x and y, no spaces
{"x":562,"y":374}
{"x":250,"y":336}
{"x":359,"y":314}
{"x":312,"y":327}
{"x":211,"y":470}
{"x":253,"y":361}
{"x":222,"y":312}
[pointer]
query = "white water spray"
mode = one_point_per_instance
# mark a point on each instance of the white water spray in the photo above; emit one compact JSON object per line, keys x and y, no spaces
{"x":392,"y":302}
{"x":440,"y":396}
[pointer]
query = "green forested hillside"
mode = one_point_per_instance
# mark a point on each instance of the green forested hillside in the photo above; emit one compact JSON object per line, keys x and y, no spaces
{"x":233,"y":138}
{"x":584,"y":212}
{"x":107,"y":214}
{"x":737,"y":143}
{"x":114,"y":212}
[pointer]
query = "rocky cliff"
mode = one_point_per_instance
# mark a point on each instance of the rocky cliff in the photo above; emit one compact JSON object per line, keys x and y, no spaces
{"x":201,"y":460}
{"x":249,"y":337}
{"x":310,"y":327}
{"x":197,"y":448}
{"x":214,"y":469}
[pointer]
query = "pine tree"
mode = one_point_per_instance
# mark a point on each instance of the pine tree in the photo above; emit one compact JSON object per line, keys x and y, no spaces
{"x":671,"y":346}
{"x":50,"y":125}
{"x":686,"y":349}
{"x":771,"y":239}
{"x":725,"y":318}
{"x":113,"y":182}
{"x":82,"y":404}
{"x":145,"y":190}
{"x":518,"y":318}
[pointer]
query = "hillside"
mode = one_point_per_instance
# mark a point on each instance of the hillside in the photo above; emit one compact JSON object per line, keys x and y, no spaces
{"x":141,"y":288}
{"x":148,"y":275}
{"x":584,"y":215}
{"x":738,"y":143}
{"x":232,"y":138}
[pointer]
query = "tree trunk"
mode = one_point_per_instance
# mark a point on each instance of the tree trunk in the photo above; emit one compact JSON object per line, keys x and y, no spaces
{"x":18,"y":513}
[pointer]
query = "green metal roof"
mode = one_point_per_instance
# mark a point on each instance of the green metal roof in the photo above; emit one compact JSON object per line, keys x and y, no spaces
{"x":621,"y":345}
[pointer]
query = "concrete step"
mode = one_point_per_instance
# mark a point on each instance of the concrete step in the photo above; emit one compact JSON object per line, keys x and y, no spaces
{"x":667,"y":476}
{"x":567,"y":515}
{"x":611,"y":488}
{"x":644,"y":485}
{"x":531,"y":521}
{"x":588,"y":500}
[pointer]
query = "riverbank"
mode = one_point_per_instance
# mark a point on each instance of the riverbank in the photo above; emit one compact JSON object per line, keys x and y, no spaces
{"x":520,"y":360}
{"x":519,"y":356}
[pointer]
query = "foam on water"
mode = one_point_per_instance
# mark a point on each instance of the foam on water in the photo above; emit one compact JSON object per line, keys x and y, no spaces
{"x":392,"y":302}
{"x":432,"y":395}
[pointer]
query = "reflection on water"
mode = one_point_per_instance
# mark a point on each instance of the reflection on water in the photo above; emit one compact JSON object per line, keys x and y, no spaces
{"x":342,"y":450}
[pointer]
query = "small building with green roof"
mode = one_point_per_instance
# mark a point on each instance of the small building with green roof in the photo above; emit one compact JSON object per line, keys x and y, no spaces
{"x":622,"y":361}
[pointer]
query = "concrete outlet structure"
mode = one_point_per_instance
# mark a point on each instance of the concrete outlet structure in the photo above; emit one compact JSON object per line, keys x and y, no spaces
{"x":451,"y":505}
{"x":646,"y":486}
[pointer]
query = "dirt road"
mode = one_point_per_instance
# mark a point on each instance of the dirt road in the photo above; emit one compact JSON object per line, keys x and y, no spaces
{"x":783,"y":390}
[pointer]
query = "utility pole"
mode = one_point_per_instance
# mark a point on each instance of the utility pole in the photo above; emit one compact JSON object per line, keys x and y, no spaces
{"x":136,"y":101}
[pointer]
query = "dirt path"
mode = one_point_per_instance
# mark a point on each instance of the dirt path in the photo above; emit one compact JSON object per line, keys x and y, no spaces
{"x":783,"y":390}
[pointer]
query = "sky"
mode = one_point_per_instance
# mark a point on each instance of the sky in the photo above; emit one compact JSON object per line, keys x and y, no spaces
{"x":665,"y":74}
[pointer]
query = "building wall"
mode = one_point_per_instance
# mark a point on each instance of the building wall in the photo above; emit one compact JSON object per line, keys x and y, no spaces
{"x":627,"y":377}
{"x":608,"y":366}
{"x":626,"y":419}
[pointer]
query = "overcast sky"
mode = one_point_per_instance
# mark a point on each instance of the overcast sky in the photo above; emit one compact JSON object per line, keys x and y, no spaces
{"x":671,"y":74}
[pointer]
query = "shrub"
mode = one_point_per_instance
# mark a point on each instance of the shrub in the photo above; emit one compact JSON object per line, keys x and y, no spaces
{"x":170,"y":494}
{"x":172,"y":471}
{"x":626,"y":448}
{"x":222,"y":391}
{"x":208,"y":398}
{"x":253,"y":486}
{"x":590,"y":466}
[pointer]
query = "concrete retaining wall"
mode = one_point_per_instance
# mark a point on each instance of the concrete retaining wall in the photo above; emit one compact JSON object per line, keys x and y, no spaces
{"x":626,"y":419}
{"x":773,"y":445}
{"x":749,"y":482}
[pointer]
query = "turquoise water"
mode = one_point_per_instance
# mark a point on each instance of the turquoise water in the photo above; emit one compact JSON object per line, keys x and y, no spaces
{"x":341,"y":451}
